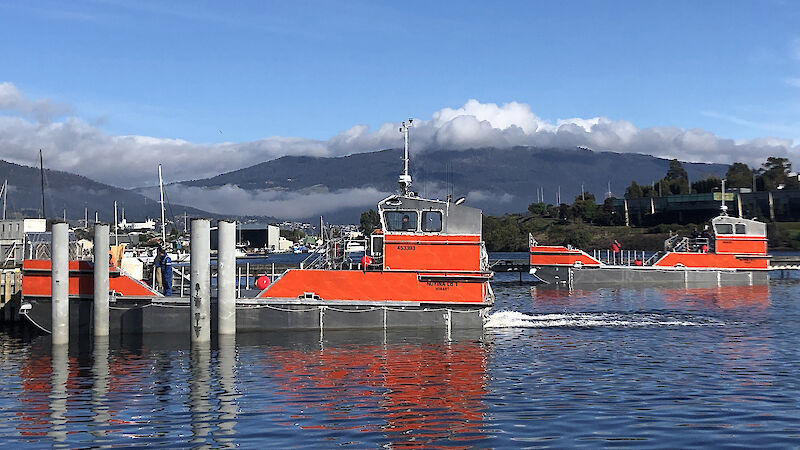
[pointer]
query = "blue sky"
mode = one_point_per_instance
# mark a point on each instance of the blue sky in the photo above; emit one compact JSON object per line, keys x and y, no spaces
{"x":210,"y":72}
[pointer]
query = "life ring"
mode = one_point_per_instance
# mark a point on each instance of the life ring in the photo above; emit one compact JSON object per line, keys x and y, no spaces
{"x":577,"y":264}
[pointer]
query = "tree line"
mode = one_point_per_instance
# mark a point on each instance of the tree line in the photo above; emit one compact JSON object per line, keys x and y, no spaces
{"x":776,"y":173}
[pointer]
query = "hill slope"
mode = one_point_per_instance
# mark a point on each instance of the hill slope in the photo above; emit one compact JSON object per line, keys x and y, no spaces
{"x":497,"y":180}
{"x":74,"y":193}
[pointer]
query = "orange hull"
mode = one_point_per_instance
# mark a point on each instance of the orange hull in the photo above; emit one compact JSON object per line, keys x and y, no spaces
{"x":561,"y":256}
{"x":714,"y":261}
{"x":377,"y":286}
{"x":36,"y":280}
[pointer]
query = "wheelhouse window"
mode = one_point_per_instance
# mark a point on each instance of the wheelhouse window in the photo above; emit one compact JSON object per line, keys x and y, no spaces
{"x":724,"y":228}
{"x":432,"y":221}
{"x":400,"y":220}
{"x":740,"y":229}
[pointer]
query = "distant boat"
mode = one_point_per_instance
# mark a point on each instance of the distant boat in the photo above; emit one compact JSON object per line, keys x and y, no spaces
{"x":734,"y":252}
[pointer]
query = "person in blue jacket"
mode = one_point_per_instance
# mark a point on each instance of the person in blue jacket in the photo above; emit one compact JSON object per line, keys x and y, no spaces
{"x":164,"y":262}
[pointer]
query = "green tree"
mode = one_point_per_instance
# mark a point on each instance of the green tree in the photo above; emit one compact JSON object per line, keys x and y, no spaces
{"x":634,"y":191}
{"x":503,"y":234}
{"x":538,"y":209}
{"x":676,"y":181}
{"x":369,"y":221}
{"x":584,"y":207}
{"x":774,"y":173}
{"x":607,"y":215}
{"x":676,"y":171}
{"x":293,"y":235}
{"x":707,"y":185}
{"x":739,"y":175}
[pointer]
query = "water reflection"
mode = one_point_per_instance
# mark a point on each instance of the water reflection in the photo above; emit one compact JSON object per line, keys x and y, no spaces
{"x":416,"y":393}
{"x":724,"y":297}
{"x":58,"y":393}
{"x":226,"y":399}
{"x":403,"y":388}
{"x":100,"y":379}
{"x":199,"y":388}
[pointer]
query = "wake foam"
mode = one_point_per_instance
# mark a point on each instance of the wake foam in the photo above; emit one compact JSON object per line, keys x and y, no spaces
{"x":514,"y":319}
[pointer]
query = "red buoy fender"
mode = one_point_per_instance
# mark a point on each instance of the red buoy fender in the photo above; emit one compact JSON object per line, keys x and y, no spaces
{"x":262,"y":282}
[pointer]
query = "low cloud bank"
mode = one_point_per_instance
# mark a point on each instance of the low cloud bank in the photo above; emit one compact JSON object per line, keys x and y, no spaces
{"x":233,"y":200}
{"x":74,"y":145}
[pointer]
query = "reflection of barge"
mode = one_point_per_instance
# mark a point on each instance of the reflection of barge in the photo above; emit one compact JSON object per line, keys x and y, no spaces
{"x":426,"y":266}
{"x":736,"y":253}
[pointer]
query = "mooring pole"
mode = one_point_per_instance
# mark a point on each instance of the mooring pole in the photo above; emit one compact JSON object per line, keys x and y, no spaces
{"x":200,"y":279}
{"x":226,"y":277}
{"x":101,"y":279}
{"x":59,"y":283}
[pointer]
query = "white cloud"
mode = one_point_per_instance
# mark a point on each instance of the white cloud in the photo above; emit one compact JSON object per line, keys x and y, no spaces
{"x":43,"y":110}
{"x":233,"y":200}
{"x":74,"y":145}
{"x":484,"y":196}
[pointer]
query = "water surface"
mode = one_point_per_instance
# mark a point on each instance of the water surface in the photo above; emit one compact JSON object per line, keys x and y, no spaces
{"x":609,"y":367}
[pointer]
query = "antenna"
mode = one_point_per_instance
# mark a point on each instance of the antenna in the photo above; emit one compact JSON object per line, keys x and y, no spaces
{"x":723,"y":207}
{"x":405,"y":178}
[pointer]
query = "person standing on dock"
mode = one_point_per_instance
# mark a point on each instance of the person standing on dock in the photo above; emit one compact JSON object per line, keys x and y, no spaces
{"x":616,"y":248}
{"x":164,"y":262}
{"x":158,"y":283}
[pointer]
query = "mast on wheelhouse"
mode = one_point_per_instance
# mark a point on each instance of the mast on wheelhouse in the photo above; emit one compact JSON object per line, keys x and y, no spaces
{"x":405,"y":179}
{"x":723,"y":207}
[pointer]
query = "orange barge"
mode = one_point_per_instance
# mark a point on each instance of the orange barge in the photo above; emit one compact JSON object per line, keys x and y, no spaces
{"x":735,"y":253}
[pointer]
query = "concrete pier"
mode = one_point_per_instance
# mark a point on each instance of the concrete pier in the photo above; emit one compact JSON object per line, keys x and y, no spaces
{"x":200,"y":279}
{"x":226,"y":277}
{"x":100,"y":311}
{"x":59,"y":252}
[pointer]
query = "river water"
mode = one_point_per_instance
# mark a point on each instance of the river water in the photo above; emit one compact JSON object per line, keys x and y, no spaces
{"x":610,"y":367}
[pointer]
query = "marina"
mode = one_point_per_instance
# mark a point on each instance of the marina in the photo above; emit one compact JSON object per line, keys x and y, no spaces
{"x":424,"y":266}
{"x":583,"y":232}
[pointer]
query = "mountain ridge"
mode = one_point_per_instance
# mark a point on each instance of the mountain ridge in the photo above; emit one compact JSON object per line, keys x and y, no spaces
{"x":496,"y":180}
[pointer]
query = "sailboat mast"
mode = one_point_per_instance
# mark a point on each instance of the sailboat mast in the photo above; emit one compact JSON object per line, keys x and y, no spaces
{"x":116,"y":234}
{"x":163,"y":222}
{"x":41,"y":175}
{"x":5,"y":197}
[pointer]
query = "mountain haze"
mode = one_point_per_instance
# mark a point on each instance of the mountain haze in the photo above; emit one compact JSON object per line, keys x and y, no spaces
{"x":496,"y":180}
{"x":74,"y":193}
